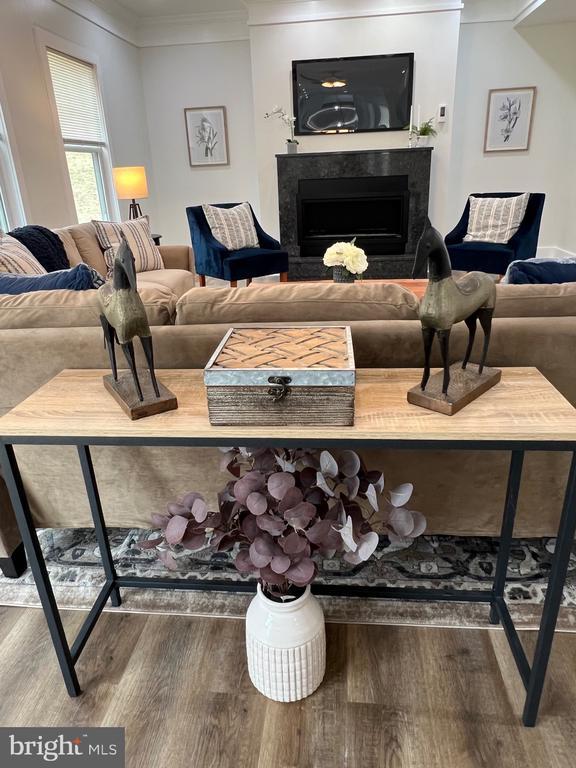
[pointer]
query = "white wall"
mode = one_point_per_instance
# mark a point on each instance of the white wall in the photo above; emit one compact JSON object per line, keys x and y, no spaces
{"x":33,"y":133}
{"x":182,"y":76}
{"x":433,"y":37}
{"x":496,"y":55}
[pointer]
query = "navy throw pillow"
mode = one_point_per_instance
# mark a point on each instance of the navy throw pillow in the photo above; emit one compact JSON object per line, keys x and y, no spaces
{"x":79,"y":278}
{"x":543,"y":272}
{"x":45,"y":246}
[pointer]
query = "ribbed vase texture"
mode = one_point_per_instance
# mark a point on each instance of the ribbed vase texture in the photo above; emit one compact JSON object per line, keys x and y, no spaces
{"x":286,"y":646}
{"x":341,"y":275}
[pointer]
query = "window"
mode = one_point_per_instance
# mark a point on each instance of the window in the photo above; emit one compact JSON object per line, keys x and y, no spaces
{"x":84,"y":134}
{"x":11,"y":211}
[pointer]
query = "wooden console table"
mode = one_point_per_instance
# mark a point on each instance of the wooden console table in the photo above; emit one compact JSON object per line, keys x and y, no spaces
{"x":523,"y":413}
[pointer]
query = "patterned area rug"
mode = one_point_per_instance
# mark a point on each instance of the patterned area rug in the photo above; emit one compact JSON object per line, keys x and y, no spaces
{"x":431,"y":561}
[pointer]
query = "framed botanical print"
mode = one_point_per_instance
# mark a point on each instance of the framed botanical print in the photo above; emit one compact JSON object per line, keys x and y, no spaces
{"x":509,"y":119}
{"x":207,"y":136}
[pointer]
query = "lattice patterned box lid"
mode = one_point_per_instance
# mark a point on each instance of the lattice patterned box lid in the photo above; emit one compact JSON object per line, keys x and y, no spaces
{"x":310,"y":355}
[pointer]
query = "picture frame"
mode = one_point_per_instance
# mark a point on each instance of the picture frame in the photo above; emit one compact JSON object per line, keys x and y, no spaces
{"x":207,"y":136}
{"x":509,"y":116}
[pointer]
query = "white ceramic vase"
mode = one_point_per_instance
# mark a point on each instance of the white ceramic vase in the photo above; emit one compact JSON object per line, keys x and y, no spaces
{"x":286,"y":646}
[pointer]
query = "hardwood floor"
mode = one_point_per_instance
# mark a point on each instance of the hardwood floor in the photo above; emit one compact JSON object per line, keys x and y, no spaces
{"x":393,"y":697}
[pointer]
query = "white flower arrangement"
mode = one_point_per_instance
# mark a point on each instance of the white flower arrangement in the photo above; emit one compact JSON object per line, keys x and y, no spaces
{"x":284,"y":117}
{"x":346,"y":255}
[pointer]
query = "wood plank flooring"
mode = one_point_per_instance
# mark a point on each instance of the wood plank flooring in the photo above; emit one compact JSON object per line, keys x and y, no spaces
{"x":393,"y":697}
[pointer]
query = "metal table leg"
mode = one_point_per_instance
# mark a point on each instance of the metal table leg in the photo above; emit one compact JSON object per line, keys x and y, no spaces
{"x":38,"y":566}
{"x":99,"y":523}
{"x":564,"y":541}
{"x":514,"y":478}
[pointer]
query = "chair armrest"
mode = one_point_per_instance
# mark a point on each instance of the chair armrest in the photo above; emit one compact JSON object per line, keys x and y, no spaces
{"x":264,"y":239}
{"x":177,"y":257}
{"x":458,"y":234}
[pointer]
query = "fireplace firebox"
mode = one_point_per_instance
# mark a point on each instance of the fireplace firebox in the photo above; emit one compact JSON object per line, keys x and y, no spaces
{"x":374,"y":210}
{"x":379,"y":196}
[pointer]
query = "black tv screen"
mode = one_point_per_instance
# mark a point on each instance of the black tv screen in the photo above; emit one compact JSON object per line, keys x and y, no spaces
{"x":354,"y":94}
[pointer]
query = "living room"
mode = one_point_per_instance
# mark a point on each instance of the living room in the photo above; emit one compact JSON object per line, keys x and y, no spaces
{"x":287,"y":202}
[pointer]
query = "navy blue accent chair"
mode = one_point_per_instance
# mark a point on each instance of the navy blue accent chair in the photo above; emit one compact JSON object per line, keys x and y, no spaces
{"x":495,"y":257}
{"x":213,"y":259}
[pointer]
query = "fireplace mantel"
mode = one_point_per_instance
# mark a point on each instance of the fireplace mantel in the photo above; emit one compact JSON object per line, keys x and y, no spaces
{"x":297,"y":155}
{"x":413,"y":164}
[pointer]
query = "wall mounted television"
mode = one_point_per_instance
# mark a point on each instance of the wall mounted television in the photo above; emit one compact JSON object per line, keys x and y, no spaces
{"x":352,"y":95}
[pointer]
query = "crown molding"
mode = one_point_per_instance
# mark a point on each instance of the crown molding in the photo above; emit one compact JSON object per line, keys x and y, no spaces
{"x":191,"y":29}
{"x":485,"y":11}
{"x":300,"y":11}
{"x":105,"y":14}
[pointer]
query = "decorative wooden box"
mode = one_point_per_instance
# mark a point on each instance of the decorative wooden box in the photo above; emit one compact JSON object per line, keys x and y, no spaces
{"x":277,"y":376}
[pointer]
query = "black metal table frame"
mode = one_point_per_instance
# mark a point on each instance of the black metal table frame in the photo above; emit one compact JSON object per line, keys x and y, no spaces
{"x":532,"y":676}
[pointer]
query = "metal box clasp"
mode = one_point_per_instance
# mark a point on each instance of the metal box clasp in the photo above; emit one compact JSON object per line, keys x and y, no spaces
{"x":280,"y":390}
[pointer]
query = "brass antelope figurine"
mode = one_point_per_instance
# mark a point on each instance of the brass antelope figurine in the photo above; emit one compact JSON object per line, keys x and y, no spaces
{"x":448,"y":301}
{"x":123,"y":317}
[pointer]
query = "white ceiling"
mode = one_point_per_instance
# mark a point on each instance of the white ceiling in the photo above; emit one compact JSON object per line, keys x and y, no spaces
{"x":155,"y":8}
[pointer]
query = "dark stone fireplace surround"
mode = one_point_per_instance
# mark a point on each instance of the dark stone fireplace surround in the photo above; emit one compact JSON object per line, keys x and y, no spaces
{"x":398,"y":180}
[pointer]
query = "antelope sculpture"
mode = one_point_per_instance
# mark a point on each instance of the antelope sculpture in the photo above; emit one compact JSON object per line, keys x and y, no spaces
{"x":448,"y":301}
{"x":124,"y":317}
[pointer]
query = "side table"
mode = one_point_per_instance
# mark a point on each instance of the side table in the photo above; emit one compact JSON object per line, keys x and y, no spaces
{"x":523,"y":413}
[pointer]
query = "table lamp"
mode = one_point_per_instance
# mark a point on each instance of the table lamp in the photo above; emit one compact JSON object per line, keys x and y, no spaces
{"x":130,"y":183}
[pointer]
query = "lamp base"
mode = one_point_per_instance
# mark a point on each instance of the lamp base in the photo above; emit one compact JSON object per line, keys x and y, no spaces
{"x":134,"y":211}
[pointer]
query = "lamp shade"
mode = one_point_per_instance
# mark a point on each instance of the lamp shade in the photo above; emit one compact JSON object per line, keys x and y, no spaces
{"x":130,"y":182}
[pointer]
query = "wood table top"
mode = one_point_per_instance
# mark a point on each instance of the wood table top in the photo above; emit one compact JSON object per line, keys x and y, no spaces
{"x":523,"y":407}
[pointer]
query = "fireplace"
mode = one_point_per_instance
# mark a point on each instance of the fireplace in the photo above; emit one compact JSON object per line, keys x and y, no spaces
{"x":379,"y":196}
{"x":372,"y":209}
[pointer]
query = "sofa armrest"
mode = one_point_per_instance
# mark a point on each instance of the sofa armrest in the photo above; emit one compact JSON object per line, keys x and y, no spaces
{"x":177,"y":257}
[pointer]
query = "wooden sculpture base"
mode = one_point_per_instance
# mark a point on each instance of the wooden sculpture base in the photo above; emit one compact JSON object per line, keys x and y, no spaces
{"x":124,"y":392}
{"x":465,"y":386}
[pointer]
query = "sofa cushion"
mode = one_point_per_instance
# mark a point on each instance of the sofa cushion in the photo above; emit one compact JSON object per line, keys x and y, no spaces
{"x":16,"y":259}
{"x":137,"y":234}
{"x":297,"y":302}
{"x":524,"y":272}
{"x":495,"y":219}
{"x":87,"y":243}
{"x":493,"y":258}
{"x":72,"y":252}
{"x":554,"y":300}
{"x":177,"y":280}
{"x":254,"y":262}
{"x":232,"y":227}
{"x":69,"y":309}
{"x":78,"y":278}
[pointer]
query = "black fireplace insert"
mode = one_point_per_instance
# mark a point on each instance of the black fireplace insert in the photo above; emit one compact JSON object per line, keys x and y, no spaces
{"x":372,"y":209}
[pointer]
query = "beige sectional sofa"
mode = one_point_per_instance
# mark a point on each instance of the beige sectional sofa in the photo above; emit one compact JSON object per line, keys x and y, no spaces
{"x":160,"y":289}
{"x":459,"y":492}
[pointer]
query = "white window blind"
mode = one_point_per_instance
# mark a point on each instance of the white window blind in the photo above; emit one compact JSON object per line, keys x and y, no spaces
{"x":77,"y":99}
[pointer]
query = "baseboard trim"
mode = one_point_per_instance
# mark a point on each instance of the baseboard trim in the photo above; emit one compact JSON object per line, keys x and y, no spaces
{"x":553,"y":252}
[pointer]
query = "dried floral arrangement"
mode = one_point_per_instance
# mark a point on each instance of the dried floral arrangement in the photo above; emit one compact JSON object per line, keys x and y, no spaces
{"x":281,"y":508}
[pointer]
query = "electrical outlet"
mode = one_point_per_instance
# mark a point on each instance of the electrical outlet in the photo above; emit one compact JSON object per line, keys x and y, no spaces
{"x":442,"y":113}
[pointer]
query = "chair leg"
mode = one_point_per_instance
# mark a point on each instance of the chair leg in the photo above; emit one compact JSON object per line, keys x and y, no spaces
{"x":283,"y":277}
{"x":233,"y":283}
{"x":202,"y":281}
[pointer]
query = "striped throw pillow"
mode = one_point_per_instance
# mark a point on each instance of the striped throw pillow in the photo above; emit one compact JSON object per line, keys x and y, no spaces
{"x":233,"y":227}
{"x":137,"y":234}
{"x":495,"y":219}
{"x":16,"y":259}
